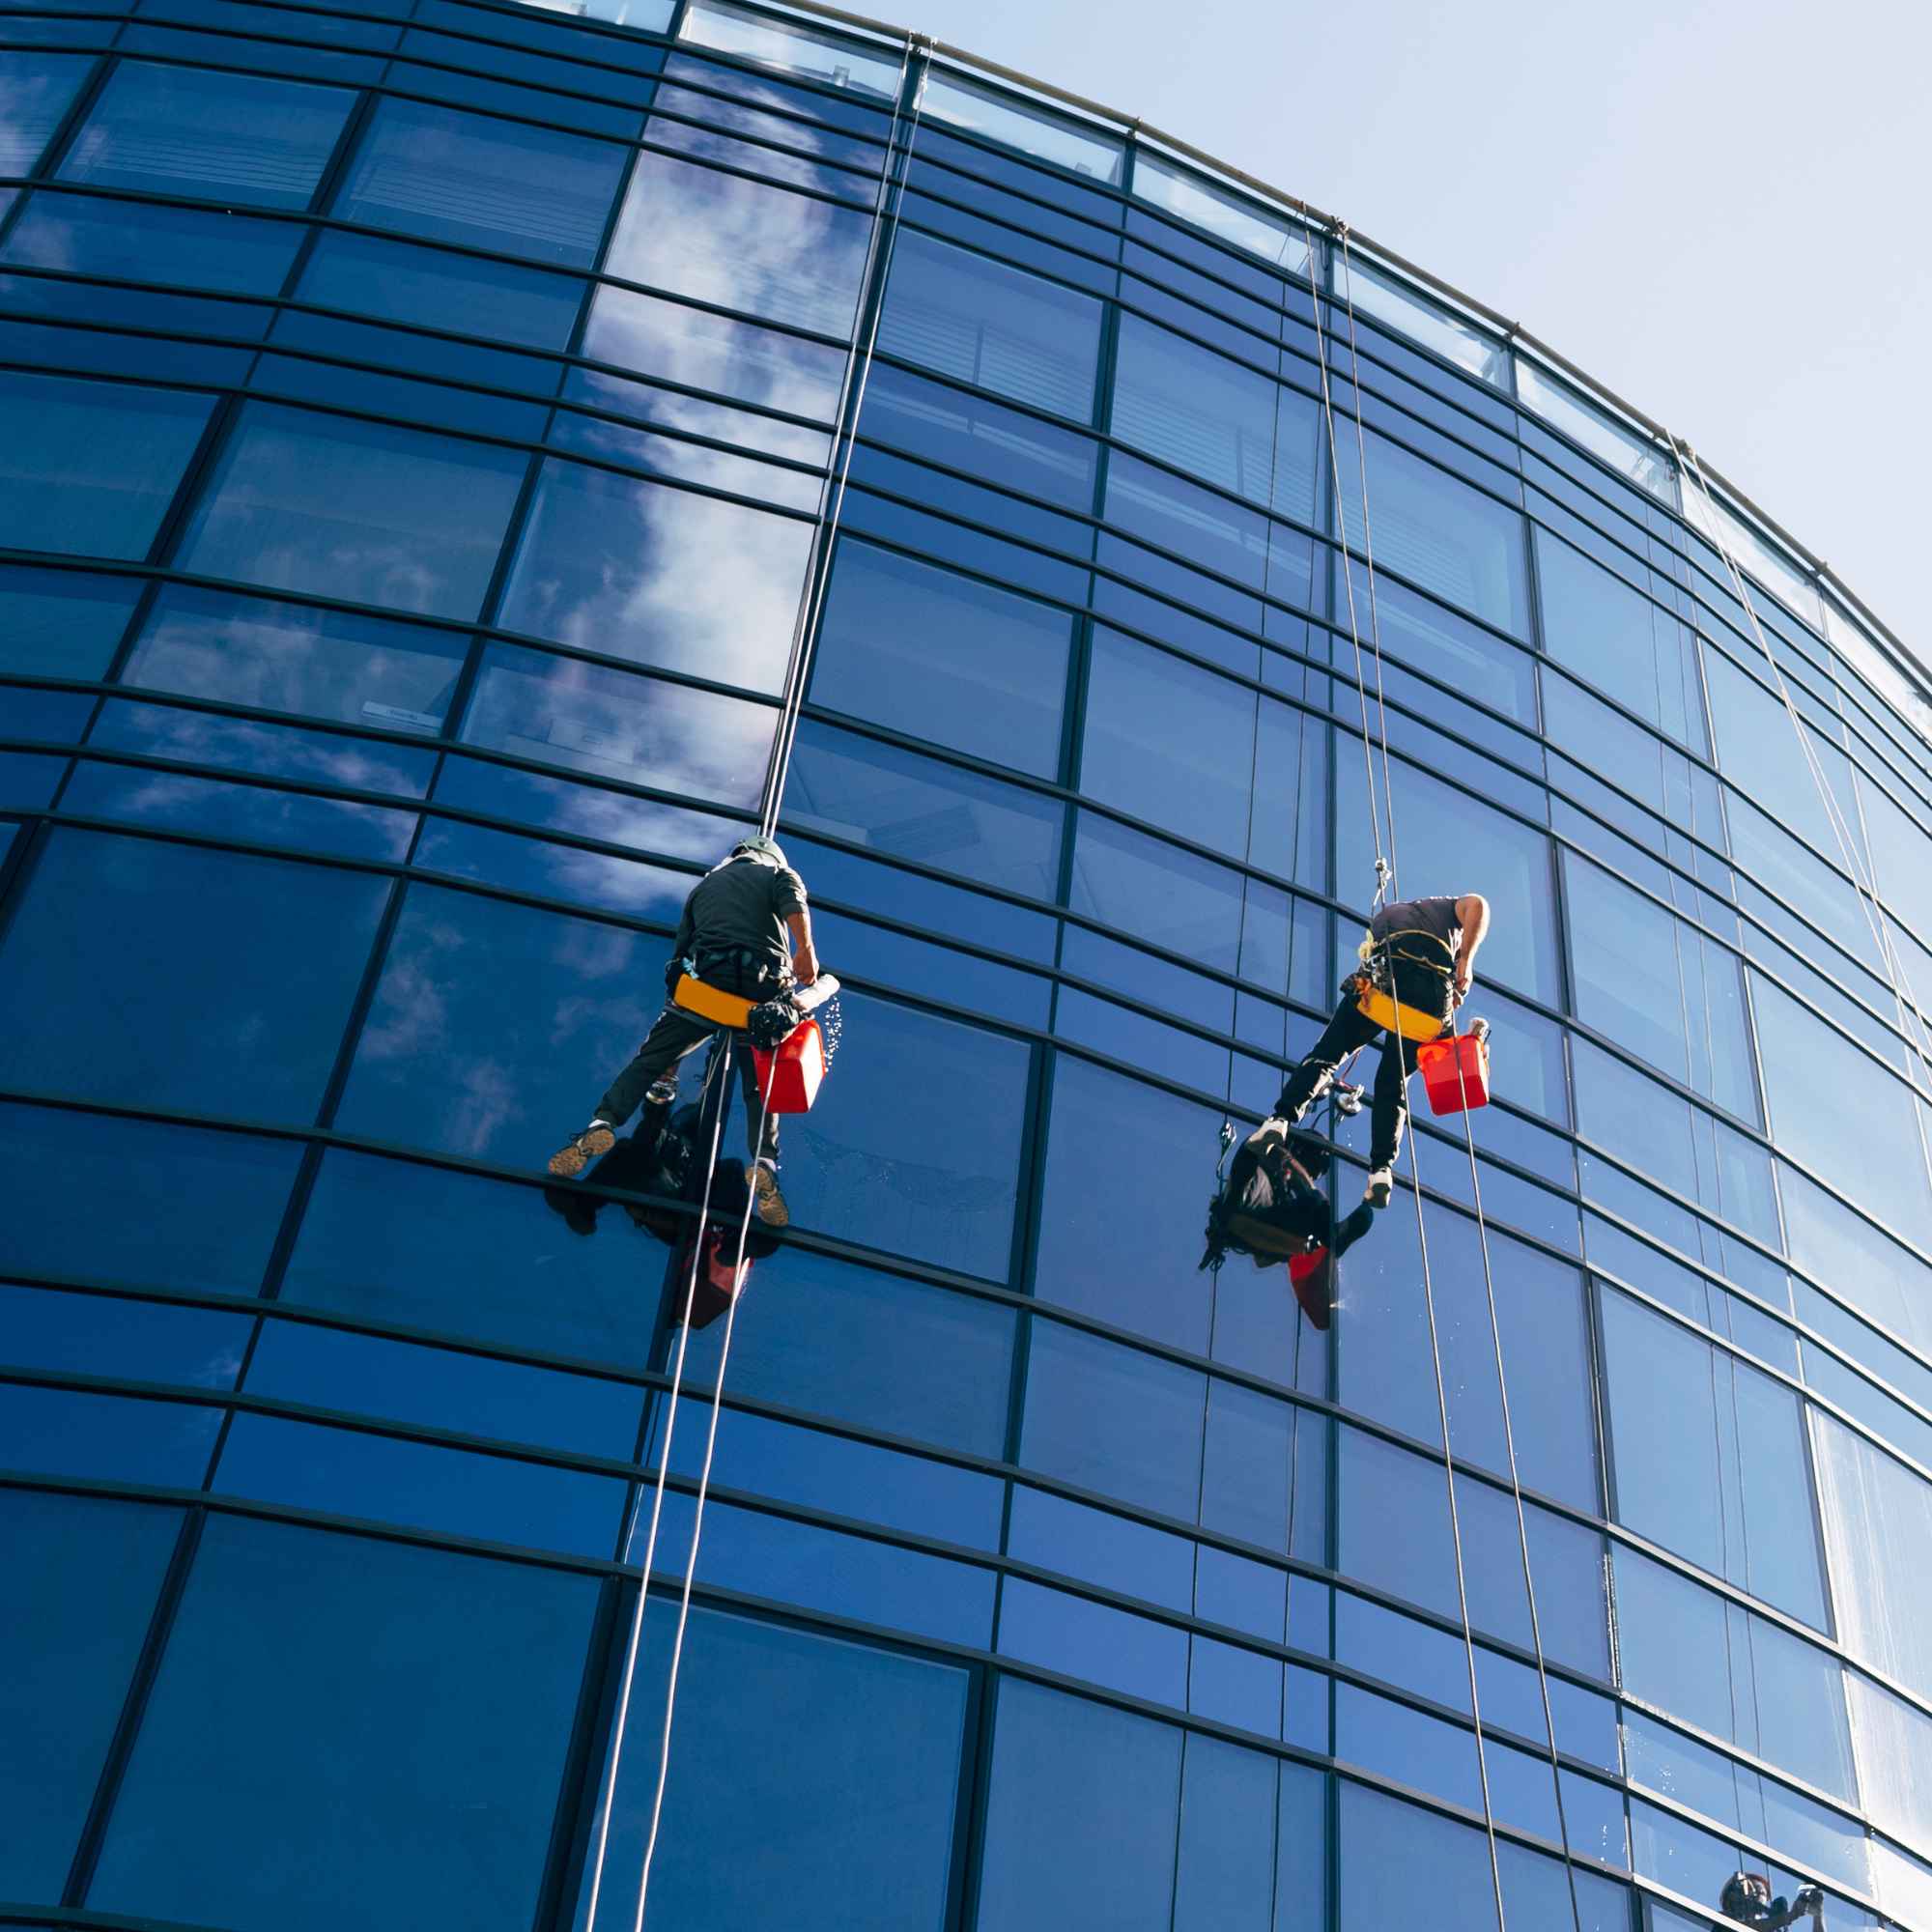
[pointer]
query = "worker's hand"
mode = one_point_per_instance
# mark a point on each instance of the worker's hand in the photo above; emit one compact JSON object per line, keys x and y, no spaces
{"x":1459,"y":984}
{"x":805,"y":965}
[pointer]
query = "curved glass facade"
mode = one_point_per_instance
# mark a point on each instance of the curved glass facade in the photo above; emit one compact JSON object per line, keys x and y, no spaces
{"x":442,"y":448}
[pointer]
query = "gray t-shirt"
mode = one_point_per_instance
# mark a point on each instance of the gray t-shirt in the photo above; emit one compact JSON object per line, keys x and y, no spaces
{"x":742,"y":904}
{"x":1436,"y":917}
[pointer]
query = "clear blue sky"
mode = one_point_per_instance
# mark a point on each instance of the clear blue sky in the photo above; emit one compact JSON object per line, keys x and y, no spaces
{"x":1720,"y":211}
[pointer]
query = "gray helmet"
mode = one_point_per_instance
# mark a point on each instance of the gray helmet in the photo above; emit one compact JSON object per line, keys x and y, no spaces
{"x":767,"y":851}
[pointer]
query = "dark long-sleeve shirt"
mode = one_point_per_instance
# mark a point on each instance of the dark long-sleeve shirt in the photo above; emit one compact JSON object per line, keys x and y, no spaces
{"x":742,"y":905}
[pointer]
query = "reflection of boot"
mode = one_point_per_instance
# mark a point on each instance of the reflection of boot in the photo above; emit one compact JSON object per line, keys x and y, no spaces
{"x":579,"y":1210}
{"x":766,"y":1199}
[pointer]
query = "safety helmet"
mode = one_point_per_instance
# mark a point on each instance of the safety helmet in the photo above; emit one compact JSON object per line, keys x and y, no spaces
{"x":766,"y":850}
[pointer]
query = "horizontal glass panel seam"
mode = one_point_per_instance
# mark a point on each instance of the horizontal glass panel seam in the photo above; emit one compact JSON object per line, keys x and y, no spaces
{"x":467,"y":386}
{"x":487,"y":439}
{"x":332,"y":224}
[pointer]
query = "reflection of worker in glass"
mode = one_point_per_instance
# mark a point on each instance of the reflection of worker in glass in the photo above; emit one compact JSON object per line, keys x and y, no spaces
{"x":1420,"y":953}
{"x":1748,"y":1901}
{"x":745,"y":931}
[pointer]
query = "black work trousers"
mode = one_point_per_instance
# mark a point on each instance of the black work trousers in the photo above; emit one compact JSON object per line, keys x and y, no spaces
{"x":1348,"y":1030}
{"x":674,"y":1036}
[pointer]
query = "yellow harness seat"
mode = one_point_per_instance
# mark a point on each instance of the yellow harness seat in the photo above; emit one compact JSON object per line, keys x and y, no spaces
{"x":720,"y":1009}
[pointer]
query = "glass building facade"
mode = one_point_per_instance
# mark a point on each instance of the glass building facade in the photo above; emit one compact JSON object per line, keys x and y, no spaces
{"x":459,"y":464}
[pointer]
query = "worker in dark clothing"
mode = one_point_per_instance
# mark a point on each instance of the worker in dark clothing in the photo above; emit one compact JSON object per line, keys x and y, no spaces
{"x":745,"y":931}
{"x":1748,"y":1901}
{"x":1419,"y":954}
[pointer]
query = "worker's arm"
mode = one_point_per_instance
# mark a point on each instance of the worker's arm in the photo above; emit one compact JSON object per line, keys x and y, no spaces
{"x":804,"y":959}
{"x":1472,"y":913}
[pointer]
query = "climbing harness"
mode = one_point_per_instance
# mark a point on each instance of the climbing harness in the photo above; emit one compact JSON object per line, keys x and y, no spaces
{"x":826,"y":1028}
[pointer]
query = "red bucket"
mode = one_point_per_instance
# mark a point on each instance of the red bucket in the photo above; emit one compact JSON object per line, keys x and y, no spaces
{"x":789,"y":1078}
{"x":1456,"y":1071}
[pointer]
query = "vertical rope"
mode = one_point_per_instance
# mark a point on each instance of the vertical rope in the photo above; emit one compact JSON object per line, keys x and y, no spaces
{"x":614,"y":1758}
{"x":853,"y":392}
{"x":703,"y":1488}
{"x":1396,"y":1044}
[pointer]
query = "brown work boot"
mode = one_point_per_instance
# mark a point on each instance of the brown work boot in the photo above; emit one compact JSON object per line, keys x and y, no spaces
{"x":766,"y":1200}
{"x":580,"y":1150}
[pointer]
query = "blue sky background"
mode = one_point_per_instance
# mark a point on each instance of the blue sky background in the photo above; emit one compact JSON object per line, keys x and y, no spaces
{"x":1723,"y":211}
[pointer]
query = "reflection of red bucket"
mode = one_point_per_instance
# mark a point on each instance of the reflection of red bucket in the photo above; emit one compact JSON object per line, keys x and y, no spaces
{"x":789,"y":1078}
{"x":1313,"y":1278}
{"x":717,"y":1287}
{"x":1456,"y":1071}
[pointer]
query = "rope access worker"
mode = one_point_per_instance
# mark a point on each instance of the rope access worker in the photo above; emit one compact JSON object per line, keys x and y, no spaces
{"x":745,"y":930}
{"x":1419,"y":954}
{"x":1748,"y":1901}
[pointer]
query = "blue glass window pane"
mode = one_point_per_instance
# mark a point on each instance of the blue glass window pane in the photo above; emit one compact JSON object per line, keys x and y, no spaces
{"x":853,"y":1576}
{"x":420,"y":1485}
{"x":238,"y":1010}
{"x":1081,"y":1815}
{"x":1114,"y":1420}
{"x":145,"y":242}
{"x":763,"y":250}
{"x":357,"y":510}
{"x":615,"y":725}
{"x":994,"y":326}
{"x":1438,"y":531}
{"x":401,"y":282}
{"x":937,"y":655}
{"x":225,"y":138}
{"x":89,"y":468}
{"x":633,"y":570}
{"x":432,"y":1745}
{"x":492,"y":1020}
{"x":895,"y":1354}
{"x":1216,"y":418}
{"x":1078,"y":1637}
{"x":390,"y":1241}
{"x":1878,"y":1527}
{"x":194,"y":1210}
{"x":1394,"y":1854}
{"x":1452,"y":842}
{"x":289,"y":657}
{"x":112,"y":1439}
{"x":62,"y":623}
{"x":109,"y":1335}
{"x":690,"y":346}
{"x":1656,"y":984}
{"x":762,"y":1456}
{"x":255,"y":813}
{"x":1839,"y":1116}
{"x":1710,"y":1458}
{"x":442,"y":1388}
{"x":925,"y":1167}
{"x":856,"y":1720}
{"x":1619,"y":639}
{"x":283,"y":750}
{"x":74,"y":1600}
{"x":908,"y":806}
{"x":984,"y":439}
{"x":1137,"y":1269}
{"x":1225,"y":1867}
{"x":453,"y":176}
{"x":34,"y":90}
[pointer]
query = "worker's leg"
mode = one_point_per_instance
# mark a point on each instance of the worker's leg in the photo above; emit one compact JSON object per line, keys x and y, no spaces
{"x":650,"y":1075}
{"x":674,"y":1035}
{"x":762,"y":1171}
{"x":1350,"y":1229}
{"x":1344,"y":1032}
{"x":1389,"y":1110}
